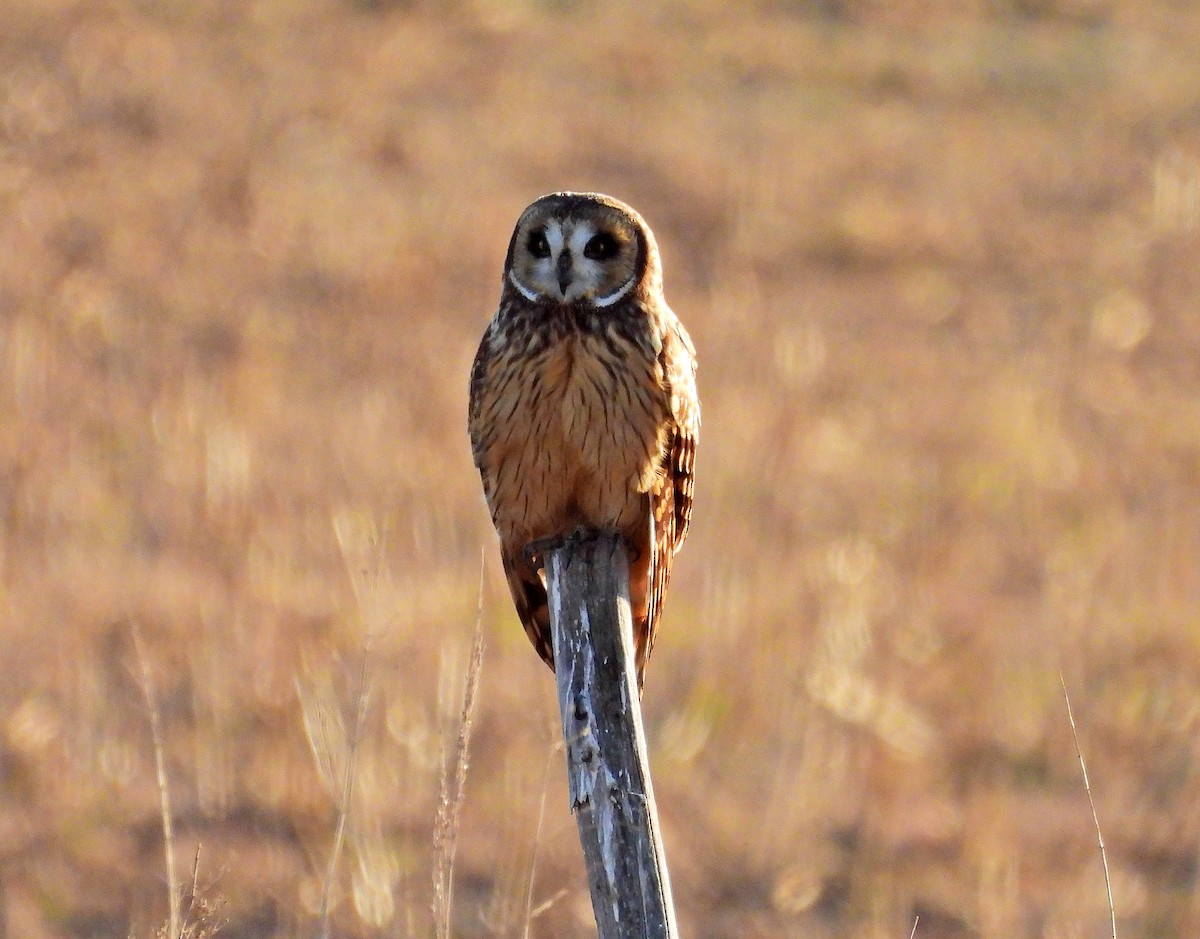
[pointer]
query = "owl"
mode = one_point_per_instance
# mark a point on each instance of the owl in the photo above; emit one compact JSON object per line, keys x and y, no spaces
{"x":583,"y":408}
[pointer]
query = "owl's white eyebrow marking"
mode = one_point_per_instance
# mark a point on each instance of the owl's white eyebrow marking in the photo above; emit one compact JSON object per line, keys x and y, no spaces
{"x":525,"y":291}
{"x":616,"y":295}
{"x":581,"y":236}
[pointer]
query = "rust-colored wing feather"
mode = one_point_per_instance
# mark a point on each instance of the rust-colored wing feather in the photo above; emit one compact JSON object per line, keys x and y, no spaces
{"x":479,"y":375}
{"x":671,"y":496}
{"x":491,"y":377}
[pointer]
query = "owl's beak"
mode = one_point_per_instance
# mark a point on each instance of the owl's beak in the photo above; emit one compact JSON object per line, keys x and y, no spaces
{"x":562,"y":271}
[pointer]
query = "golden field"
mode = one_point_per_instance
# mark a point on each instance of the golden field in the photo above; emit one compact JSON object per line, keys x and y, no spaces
{"x":941,"y":262}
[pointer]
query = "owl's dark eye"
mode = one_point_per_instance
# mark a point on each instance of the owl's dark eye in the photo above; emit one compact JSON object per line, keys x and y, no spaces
{"x":601,"y":247}
{"x":538,"y":246}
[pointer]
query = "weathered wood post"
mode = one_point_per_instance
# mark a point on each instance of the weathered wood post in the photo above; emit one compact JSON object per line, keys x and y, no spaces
{"x":607,"y":769}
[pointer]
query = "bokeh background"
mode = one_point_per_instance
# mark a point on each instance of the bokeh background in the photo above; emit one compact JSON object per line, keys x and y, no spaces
{"x":941,"y":261}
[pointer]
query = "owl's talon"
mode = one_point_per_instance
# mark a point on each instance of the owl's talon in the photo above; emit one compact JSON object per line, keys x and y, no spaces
{"x":535,"y":552}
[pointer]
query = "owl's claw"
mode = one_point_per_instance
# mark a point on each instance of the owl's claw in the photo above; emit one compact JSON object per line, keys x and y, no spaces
{"x":535,"y":552}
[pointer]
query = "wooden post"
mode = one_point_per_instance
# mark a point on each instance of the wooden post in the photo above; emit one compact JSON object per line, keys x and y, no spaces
{"x":607,"y":769}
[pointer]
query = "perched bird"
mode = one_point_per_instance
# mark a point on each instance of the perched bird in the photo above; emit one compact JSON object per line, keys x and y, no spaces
{"x":583,"y":409}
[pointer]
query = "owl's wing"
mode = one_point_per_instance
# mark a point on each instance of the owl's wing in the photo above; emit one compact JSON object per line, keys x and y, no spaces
{"x":479,"y":425}
{"x":671,"y":496}
{"x":485,"y":418}
{"x":680,"y":369}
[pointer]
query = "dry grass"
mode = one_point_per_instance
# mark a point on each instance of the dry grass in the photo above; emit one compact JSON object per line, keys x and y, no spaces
{"x":941,"y":262}
{"x":452,"y":787}
{"x":1087,"y":787}
{"x":174,"y":888}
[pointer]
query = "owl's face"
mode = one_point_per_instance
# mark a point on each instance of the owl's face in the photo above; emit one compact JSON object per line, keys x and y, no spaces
{"x":578,"y":248}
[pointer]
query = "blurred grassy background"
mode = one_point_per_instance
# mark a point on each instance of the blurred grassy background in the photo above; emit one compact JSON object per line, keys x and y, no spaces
{"x":941,"y":262}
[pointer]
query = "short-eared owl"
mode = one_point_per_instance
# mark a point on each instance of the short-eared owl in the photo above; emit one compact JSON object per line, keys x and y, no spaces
{"x":583,"y":403}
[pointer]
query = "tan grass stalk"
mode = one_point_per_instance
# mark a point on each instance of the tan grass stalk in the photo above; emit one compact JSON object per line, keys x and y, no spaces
{"x":347,"y":792}
{"x":335,"y":750}
{"x":450,"y":801}
{"x":175,"y":924}
{"x":1112,"y":909}
{"x":537,"y":840}
{"x":202,"y":919}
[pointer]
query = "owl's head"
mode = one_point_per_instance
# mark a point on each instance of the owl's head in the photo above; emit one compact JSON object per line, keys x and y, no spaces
{"x":580,"y":247}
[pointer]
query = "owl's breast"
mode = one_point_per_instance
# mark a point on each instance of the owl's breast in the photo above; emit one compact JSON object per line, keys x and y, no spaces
{"x":610,"y":406}
{"x":576,"y":433}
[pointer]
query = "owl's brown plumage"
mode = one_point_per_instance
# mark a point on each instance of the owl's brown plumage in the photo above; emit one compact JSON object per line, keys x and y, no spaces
{"x":583,"y":403}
